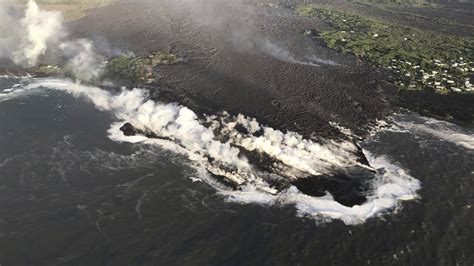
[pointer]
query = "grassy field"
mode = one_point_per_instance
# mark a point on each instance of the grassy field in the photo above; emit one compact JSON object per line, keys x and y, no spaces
{"x":418,"y":59}
{"x":71,"y":9}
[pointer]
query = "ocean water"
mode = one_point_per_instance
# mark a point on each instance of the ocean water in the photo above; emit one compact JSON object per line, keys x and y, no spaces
{"x":74,"y":191}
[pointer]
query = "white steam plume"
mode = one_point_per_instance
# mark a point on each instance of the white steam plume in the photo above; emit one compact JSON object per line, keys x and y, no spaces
{"x":246,"y":42}
{"x":40,"y":33}
{"x":305,"y":156}
{"x":285,"y":55}
{"x":83,"y":61}
{"x":7,"y":32}
{"x":168,"y":120}
{"x":282,"y":54}
{"x":187,"y":133}
{"x":38,"y":29}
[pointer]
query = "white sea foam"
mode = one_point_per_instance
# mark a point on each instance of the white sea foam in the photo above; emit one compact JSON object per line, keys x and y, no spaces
{"x":8,"y":94}
{"x":439,"y":129}
{"x":185,"y":133}
{"x":12,"y":76}
{"x":13,"y":92}
{"x":393,"y":185}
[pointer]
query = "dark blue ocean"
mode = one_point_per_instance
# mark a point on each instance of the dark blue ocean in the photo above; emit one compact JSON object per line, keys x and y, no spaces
{"x":70,"y":195}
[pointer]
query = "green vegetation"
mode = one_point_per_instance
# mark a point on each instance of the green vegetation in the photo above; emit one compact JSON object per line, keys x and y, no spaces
{"x":71,"y":9}
{"x":46,"y":70}
{"x":418,"y":59}
{"x":126,"y":70}
{"x":131,"y":70}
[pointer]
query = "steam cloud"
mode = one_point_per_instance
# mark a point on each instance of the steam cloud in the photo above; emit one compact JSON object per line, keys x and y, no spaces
{"x":42,"y":32}
{"x":26,"y":40}
{"x":83,"y":61}
{"x":246,"y":42}
{"x":283,"y":54}
{"x":37,"y":29}
{"x":188,"y":134}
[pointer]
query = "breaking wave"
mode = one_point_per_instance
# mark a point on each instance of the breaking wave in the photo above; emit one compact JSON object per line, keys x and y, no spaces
{"x":392,"y":185}
{"x":438,"y":129}
{"x":257,"y":163}
{"x":12,"y":87}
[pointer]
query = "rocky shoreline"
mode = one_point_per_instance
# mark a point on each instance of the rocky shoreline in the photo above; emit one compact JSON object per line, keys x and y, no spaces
{"x":321,"y":99}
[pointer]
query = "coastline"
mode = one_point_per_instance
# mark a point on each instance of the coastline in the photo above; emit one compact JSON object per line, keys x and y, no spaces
{"x":242,"y":142}
{"x":226,"y":70}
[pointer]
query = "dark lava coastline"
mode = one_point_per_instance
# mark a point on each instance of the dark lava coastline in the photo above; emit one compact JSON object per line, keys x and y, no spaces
{"x":231,"y":67}
{"x":227,"y":68}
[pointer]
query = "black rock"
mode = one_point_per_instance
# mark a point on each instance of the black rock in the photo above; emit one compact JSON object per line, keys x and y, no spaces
{"x":129,"y":130}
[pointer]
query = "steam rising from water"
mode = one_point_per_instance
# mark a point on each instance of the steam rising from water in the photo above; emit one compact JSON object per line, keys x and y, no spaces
{"x":40,"y":34}
{"x":83,"y":61}
{"x":38,"y":29}
{"x":184,"y":132}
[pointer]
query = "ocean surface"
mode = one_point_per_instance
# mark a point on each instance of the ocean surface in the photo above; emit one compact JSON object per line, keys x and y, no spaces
{"x":73,"y":191}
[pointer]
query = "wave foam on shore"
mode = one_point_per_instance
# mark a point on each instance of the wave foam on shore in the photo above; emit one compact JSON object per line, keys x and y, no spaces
{"x":214,"y":143}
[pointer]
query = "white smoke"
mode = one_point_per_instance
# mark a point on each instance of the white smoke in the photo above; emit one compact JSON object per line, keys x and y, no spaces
{"x":245,"y":41}
{"x":83,"y":61}
{"x":186,"y":133}
{"x":40,"y":33}
{"x":168,"y":120}
{"x":305,"y":156}
{"x":38,"y":29}
{"x":282,"y":54}
{"x":6,"y":31}
{"x":316,"y":60}
{"x":182,"y":125}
